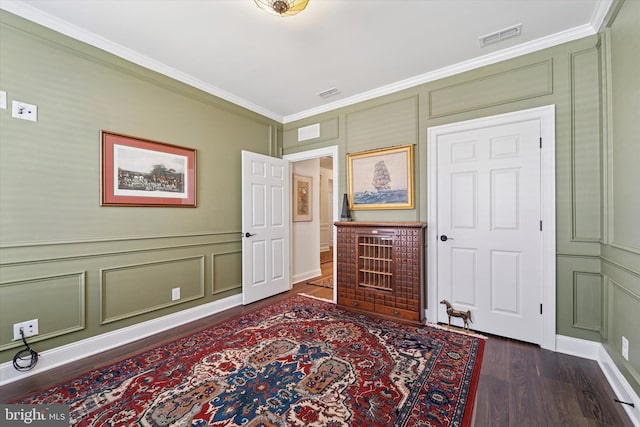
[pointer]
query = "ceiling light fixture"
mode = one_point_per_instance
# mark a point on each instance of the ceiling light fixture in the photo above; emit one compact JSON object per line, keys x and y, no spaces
{"x":282,"y":7}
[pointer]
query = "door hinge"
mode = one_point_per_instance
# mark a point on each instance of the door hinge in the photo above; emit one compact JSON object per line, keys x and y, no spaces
{"x":540,"y":308}
{"x":540,"y":225}
{"x":540,"y":142}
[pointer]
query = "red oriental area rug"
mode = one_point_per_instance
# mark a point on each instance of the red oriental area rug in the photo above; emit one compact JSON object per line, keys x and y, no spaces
{"x":298,"y":362}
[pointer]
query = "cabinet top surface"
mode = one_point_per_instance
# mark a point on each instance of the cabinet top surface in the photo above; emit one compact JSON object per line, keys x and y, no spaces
{"x":380,"y":224}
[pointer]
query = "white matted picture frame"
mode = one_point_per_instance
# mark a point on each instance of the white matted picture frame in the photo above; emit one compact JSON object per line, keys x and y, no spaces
{"x":140,"y":172}
{"x":302,"y":201}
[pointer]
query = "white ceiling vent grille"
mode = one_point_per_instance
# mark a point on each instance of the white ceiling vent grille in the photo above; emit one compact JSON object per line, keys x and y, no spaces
{"x":328,"y":93}
{"x":498,"y":36}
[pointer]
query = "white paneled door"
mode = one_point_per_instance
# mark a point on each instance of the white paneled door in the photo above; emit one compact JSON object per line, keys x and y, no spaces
{"x":489,"y":240}
{"x":265,"y":226}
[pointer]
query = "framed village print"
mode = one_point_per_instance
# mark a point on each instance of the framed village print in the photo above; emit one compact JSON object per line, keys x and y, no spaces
{"x":140,"y":172}
{"x":381,"y":179}
{"x":302,"y":198}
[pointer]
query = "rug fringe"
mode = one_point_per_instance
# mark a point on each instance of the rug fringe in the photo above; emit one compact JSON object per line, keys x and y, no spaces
{"x":457,"y":330}
{"x":315,"y":297}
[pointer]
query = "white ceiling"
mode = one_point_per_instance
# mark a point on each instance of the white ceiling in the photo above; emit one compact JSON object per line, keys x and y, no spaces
{"x":275,"y":66}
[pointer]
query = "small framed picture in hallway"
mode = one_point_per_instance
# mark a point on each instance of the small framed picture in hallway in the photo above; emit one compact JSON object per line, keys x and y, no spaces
{"x":302,"y":198}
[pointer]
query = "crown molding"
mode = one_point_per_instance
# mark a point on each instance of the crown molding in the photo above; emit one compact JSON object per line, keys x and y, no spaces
{"x":481,"y":61}
{"x":39,"y":17}
{"x":600,"y":14}
{"x":33,"y":14}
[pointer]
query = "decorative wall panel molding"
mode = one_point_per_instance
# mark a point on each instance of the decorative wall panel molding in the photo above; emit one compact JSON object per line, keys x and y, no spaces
{"x":390,"y":124}
{"x":15,"y":255}
{"x":226,"y":271}
{"x":131,"y":290}
{"x":585,"y":147}
{"x":587,"y":300}
{"x":57,"y":301}
{"x":496,"y":89}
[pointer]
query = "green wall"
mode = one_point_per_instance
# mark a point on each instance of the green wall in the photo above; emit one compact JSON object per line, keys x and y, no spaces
{"x":597,"y":284}
{"x":82,"y":269}
{"x":620,"y":249}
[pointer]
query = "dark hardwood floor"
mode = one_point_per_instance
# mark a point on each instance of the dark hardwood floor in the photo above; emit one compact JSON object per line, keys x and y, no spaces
{"x":520,"y":384}
{"x":524,"y":385}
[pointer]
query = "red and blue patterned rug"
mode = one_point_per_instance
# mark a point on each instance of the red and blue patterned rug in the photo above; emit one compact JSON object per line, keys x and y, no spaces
{"x":298,"y":362}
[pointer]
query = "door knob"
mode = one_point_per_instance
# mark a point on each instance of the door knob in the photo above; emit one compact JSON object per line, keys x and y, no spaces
{"x":444,"y":238}
{"x":247,"y":234}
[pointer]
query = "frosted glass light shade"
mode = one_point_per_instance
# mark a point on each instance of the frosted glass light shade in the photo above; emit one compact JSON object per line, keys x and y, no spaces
{"x":282,"y":7}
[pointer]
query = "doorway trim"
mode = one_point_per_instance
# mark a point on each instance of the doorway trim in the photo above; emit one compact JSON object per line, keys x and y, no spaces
{"x":332,"y":152}
{"x":546,"y":115}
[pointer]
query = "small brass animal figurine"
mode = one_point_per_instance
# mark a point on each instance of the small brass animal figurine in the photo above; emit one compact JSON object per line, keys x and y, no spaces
{"x":464,"y":315}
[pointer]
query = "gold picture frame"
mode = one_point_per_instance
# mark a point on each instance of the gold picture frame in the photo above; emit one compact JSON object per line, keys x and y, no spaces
{"x":302,"y":201}
{"x":381,"y":179}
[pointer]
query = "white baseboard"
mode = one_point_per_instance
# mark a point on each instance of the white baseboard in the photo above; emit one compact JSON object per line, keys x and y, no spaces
{"x":620,"y":385}
{"x":78,"y":350}
{"x":596,"y":351}
{"x":578,"y":347}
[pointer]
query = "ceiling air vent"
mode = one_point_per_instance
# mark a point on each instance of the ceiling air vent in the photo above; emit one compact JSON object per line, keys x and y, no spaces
{"x":328,"y":93}
{"x":498,"y":36}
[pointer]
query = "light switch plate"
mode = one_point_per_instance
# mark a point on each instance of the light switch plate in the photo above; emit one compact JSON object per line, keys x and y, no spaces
{"x":3,"y":100}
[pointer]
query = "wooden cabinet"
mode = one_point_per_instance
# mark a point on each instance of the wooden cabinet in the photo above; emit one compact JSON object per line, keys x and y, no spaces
{"x":380,"y":269}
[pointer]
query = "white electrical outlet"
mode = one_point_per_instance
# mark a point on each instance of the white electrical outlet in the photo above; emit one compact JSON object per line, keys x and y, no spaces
{"x":3,"y":100}
{"x":24,"y":111}
{"x":30,"y":328}
{"x":625,"y":348}
{"x":175,"y":294}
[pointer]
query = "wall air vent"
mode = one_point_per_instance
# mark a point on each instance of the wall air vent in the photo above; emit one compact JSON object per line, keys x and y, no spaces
{"x":328,"y":93}
{"x":309,"y":132}
{"x":498,"y":36}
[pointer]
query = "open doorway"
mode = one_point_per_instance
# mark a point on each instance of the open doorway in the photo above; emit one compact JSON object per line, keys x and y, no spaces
{"x":313,"y":240}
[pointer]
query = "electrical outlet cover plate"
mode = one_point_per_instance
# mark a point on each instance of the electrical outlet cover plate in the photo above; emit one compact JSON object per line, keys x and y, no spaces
{"x":30,"y":328}
{"x":625,"y":348}
{"x":24,"y":111}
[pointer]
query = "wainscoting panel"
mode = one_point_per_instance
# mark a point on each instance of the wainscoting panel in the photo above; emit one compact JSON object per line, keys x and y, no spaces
{"x":623,"y":288}
{"x":625,"y":303}
{"x":130,"y":290}
{"x":493,"y":90}
{"x":46,"y":294}
{"x":124,"y":281}
{"x":587,"y":301}
{"x":227,"y":271}
{"x":580,"y":296}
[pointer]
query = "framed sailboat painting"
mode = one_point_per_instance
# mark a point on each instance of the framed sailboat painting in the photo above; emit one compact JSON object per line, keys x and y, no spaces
{"x":381,"y":179}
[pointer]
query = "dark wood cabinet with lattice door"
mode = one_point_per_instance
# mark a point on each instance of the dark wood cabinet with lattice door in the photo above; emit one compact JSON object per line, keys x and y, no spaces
{"x":380,"y":267}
